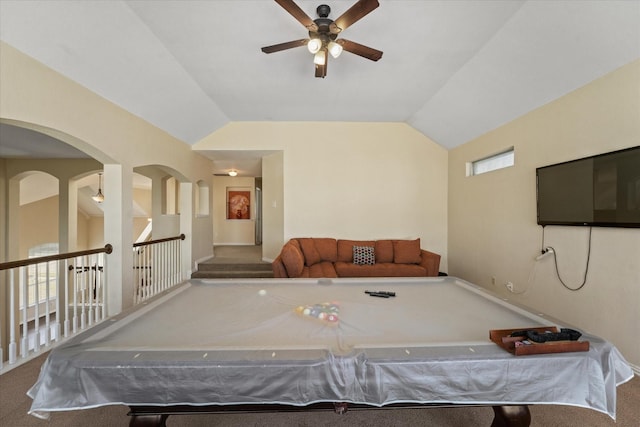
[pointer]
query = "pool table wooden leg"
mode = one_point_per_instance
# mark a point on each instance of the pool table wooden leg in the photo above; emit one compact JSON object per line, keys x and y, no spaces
{"x":151,"y":420}
{"x":511,"y":416}
{"x":340,"y":408}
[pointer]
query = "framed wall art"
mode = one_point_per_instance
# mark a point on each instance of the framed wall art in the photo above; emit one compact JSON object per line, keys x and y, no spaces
{"x":238,"y":204}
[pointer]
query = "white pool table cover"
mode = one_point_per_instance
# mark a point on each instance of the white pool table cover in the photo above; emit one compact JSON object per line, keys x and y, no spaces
{"x":243,"y":342}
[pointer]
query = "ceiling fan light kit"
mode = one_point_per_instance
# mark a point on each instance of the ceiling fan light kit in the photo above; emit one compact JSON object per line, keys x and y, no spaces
{"x":314,"y":45}
{"x":334,"y":49}
{"x":320,"y":58}
{"x":323,"y":33}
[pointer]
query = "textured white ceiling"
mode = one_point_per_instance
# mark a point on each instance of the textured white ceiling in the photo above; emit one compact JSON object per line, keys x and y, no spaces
{"x":452,"y":69}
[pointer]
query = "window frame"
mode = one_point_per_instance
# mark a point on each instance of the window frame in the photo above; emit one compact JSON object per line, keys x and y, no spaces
{"x":494,"y":162}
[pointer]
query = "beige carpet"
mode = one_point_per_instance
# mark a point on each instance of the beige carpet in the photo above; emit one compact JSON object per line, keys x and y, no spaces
{"x":14,"y":405}
{"x":228,"y":254}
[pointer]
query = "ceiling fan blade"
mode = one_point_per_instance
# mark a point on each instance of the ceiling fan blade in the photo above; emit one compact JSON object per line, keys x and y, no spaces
{"x":295,"y":11}
{"x":321,"y":70}
{"x":360,"y":49}
{"x":354,"y":14}
{"x":285,"y":46}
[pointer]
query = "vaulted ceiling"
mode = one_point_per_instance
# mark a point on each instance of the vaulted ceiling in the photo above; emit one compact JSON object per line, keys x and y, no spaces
{"x":451,"y":69}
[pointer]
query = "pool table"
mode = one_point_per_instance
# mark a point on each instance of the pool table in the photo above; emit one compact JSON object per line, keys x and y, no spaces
{"x":209,"y":345}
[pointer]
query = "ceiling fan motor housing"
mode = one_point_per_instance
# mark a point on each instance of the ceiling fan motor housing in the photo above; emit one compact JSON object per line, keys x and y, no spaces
{"x":323,"y":22}
{"x":323,"y":10}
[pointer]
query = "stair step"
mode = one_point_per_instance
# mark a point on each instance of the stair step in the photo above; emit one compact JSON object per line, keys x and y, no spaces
{"x":235,"y":274}
{"x":235,"y":267}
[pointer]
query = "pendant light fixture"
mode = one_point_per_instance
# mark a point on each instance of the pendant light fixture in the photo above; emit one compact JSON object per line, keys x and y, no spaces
{"x":99,"y":197}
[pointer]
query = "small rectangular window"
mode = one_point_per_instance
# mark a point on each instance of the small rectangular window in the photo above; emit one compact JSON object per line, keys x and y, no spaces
{"x":501,"y":160}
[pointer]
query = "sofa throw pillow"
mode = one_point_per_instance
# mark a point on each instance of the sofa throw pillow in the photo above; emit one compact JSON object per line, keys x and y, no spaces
{"x":406,"y":251}
{"x":364,"y":255}
{"x":345,"y":248}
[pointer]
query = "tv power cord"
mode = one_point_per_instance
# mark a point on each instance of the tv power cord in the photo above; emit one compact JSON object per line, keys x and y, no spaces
{"x":550,"y":250}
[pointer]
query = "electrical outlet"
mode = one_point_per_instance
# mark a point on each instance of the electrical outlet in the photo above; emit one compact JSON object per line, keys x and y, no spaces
{"x":493,"y":280}
{"x":509,"y":286}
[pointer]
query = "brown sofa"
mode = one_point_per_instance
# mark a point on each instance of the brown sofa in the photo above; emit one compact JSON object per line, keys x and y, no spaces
{"x":327,"y":257}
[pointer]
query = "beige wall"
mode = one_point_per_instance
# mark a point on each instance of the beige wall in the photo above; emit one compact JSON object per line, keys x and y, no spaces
{"x":492,"y":217}
{"x":272,"y":205}
{"x":142,"y":197}
{"x":351,"y":180}
{"x":95,"y":230}
{"x":38,"y":224}
{"x":83,"y":231}
{"x":3,"y":215}
{"x":232,"y":232}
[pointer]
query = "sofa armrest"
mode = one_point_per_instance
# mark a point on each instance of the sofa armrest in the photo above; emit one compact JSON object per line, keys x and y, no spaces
{"x":278,"y":268}
{"x":431,"y":262}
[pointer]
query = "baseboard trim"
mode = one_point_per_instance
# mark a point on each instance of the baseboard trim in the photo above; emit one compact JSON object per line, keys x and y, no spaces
{"x":635,"y":369}
{"x":201,"y":260}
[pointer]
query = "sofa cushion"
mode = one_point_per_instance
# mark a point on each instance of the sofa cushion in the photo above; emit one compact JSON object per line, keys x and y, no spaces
{"x":322,"y":269}
{"x":364,"y":255}
{"x":311,"y":254}
{"x":345,"y":248}
{"x":406,"y":251}
{"x":384,"y":251}
{"x":292,"y":260}
{"x":305,"y":272}
{"x":295,"y":243}
{"x":348,"y":269}
{"x":327,"y":248}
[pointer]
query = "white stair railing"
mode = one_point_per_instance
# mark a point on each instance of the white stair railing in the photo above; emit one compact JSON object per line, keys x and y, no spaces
{"x":157,"y":266}
{"x":50,"y":298}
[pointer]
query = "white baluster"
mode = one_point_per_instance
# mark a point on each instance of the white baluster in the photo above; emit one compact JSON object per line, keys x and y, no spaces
{"x":13,"y":303}
{"x":47,"y":311}
{"x":24,"y":343}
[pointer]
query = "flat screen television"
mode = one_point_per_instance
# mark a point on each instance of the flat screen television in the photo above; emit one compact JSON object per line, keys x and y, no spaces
{"x":602,"y":190}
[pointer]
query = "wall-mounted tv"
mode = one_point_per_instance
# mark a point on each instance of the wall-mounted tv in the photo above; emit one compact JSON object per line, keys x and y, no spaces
{"x":602,"y":190}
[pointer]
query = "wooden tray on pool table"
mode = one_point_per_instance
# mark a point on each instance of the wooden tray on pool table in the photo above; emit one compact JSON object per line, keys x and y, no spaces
{"x":502,"y":338}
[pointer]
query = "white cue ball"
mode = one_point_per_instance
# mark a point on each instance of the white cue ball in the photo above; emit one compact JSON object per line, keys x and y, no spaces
{"x":262,"y":292}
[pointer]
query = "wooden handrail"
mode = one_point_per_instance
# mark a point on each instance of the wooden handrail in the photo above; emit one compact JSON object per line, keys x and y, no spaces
{"x":107,"y":249}
{"x":25,"y":262}
{"x":151,"y":242}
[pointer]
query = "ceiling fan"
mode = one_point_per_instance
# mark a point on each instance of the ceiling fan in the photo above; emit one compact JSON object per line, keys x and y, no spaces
{"x":323,"y":33}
